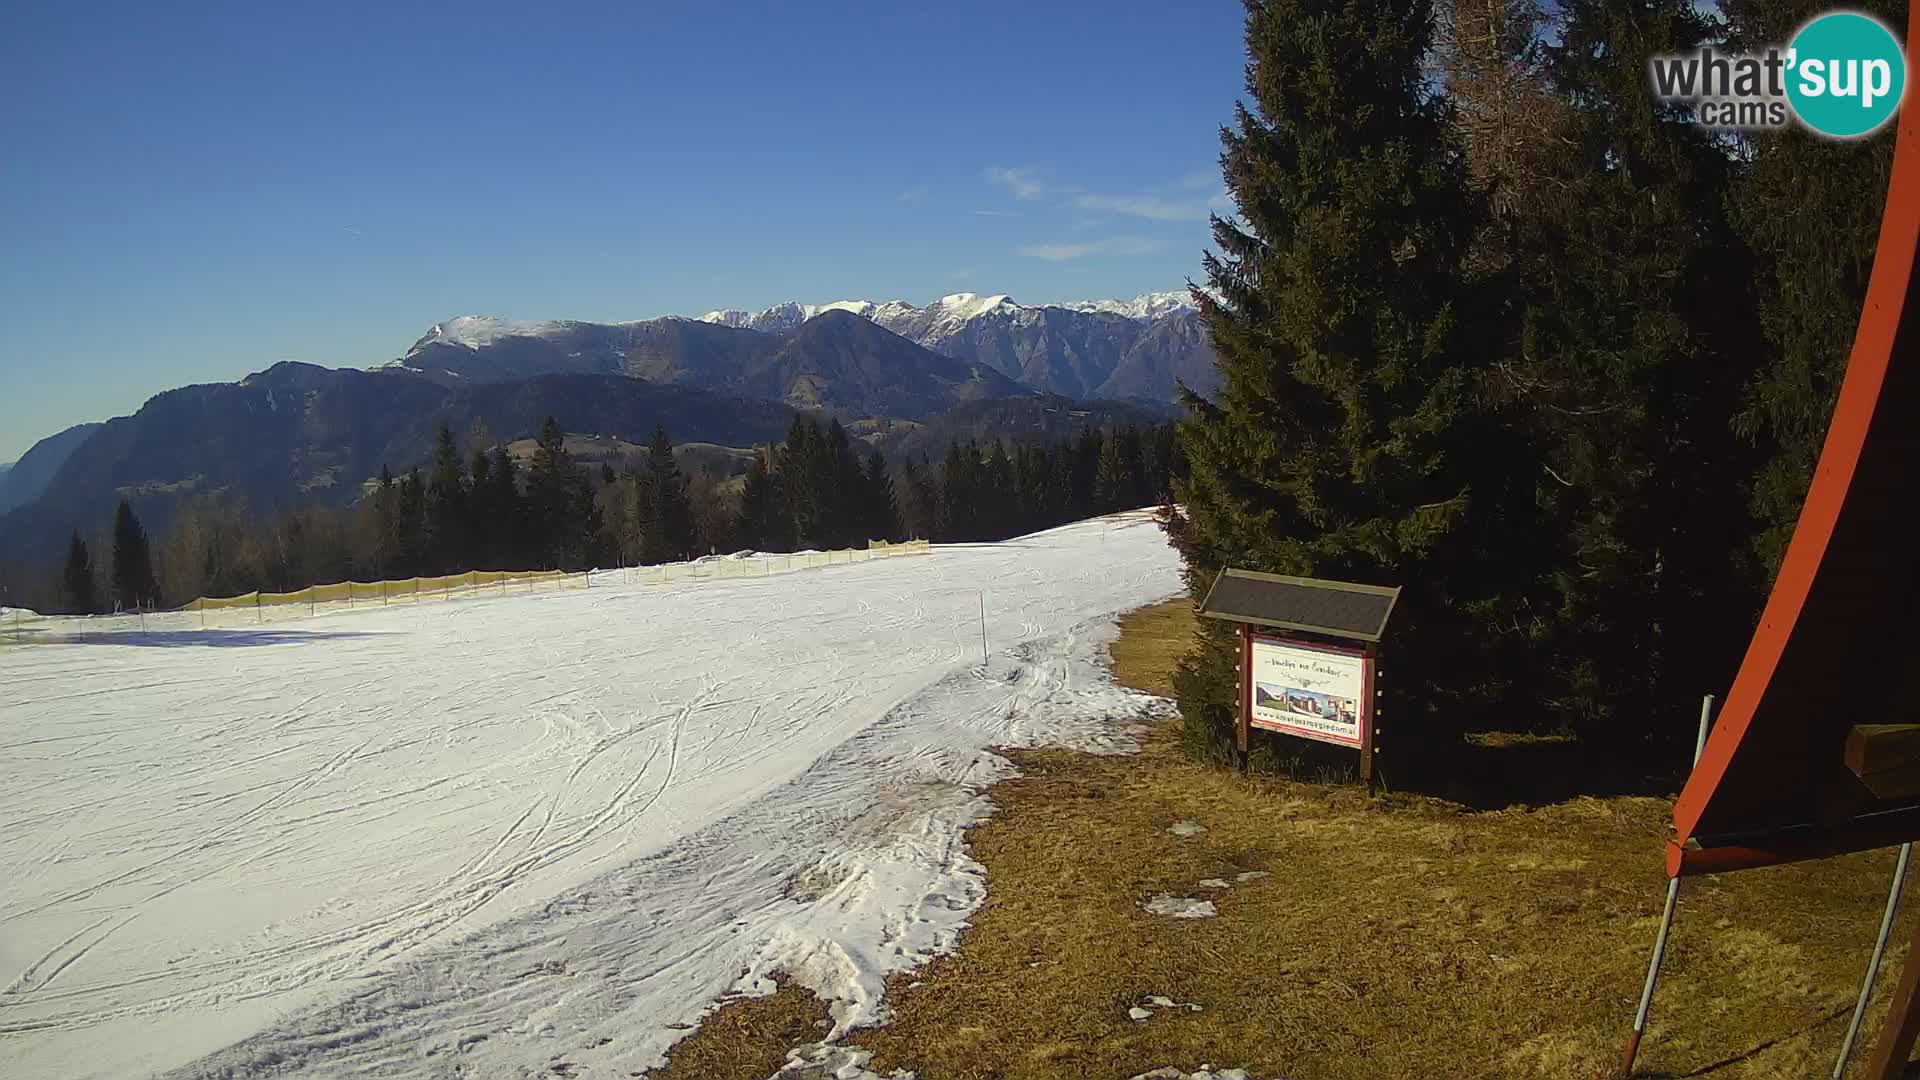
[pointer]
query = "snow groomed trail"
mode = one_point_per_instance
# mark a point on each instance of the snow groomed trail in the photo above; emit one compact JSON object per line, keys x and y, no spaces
{"x":529,"y":834}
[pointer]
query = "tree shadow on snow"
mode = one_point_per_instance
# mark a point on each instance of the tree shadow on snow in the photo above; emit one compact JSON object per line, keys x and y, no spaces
{"x":217,"y":639}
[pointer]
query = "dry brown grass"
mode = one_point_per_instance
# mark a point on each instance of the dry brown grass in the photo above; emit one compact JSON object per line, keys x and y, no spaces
{"x":1393,"y":938}
{"x":1151,"y":640}
{"x":748,"y":1038}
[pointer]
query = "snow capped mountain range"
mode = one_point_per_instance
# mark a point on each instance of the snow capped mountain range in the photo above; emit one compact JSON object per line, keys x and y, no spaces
{"x":945,"y":313}
{"x":1091,"y":349}
{"x":942,"y":319}
{"x":1144,"y":306}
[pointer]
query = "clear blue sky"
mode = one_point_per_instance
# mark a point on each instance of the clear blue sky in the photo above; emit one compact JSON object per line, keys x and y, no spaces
{"x":189,"y":193}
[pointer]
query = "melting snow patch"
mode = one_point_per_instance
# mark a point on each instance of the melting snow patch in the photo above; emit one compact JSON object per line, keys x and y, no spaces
{"x":1144,"y":1010}
{"x":825,"y":1061}
{"x":1186,"y":828}
{"x":1214,"y":883}
{"x":1204,"y":1073}
{"x":1179,"y":907}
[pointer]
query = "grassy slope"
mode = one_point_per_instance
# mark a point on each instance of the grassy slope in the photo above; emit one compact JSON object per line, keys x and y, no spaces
{"x":1395,"y":937}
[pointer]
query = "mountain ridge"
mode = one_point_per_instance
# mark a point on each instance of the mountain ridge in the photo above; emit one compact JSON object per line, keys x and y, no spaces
{"x":22,"y":481}
{"x":1139,"y":348}
{"x":299,"y":433}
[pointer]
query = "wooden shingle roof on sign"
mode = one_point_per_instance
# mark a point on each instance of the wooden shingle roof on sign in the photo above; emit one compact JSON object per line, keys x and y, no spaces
{"x":1312,"y":605}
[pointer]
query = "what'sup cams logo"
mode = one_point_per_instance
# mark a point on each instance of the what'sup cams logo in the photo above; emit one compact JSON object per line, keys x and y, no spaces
{"x":1842,"y":76}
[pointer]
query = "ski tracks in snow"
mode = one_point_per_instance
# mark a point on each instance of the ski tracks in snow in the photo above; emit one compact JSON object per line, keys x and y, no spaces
{"x":508,"y":832}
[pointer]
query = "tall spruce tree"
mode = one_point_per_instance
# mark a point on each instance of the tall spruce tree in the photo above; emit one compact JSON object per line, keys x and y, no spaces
{"x":804,"y":479}
{"x":881,"y":516}
{"x":1810,"y":208}
{"x":960,"y":496}
{"x":845,"y":484}
{"x":666,"y":520}
{"x":560,"y":503}
{"x":1112,"y":482}
{"x":133,"y":581}
{"x":77,"y":580}
{"x":503,"y":515}
{"x":919,"y":499}
{"x":447,"y":519}
{"x":1335,"y":446}
{"x":1632,"y":338}
{"x":482,"y":549}
{"x":763,"y":523}
{"x":998,"y":497}
{"x":410,"y":521}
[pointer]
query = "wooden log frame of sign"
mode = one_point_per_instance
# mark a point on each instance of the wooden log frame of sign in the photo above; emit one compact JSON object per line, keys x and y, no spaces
{"x":1335,"y":618}
{"x":1367,"y":720}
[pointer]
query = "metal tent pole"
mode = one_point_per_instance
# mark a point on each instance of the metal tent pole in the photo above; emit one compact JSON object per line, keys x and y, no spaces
{"x":1666,"y":925}
{"x":1873,"y":965}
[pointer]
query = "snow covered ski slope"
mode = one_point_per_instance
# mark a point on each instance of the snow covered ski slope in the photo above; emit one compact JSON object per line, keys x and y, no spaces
{"x":491,"y":837}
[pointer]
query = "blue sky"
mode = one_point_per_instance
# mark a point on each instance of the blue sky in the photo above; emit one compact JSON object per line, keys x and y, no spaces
{"x":191,"y":192}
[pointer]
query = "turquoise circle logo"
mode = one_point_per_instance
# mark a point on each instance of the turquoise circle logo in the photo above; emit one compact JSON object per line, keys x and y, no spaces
{"x":1847,"y":74}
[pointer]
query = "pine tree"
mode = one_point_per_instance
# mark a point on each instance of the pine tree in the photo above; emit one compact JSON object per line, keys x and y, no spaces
{"x":960,"y":503}
{"x":563,"y":516}
{"x":660,"y":497}
{"x":1632,"y":341}
{"x":918,"y":499}
{"x":881,"y":516}
{"x":504,"y":519}
{"x":845,"y":485}
{"x":133,"y":582}
{"x":763,"y":523}
{"x":447,"y":543}
{"x":1132,"y":451}
{"x":1083,"y":470}
{"x":1029,"y":483}
{"x":803,"y":481}
{"x":1163,"y":462}
{"x":78,"y":578}
{"x":1332,"y":448}
{"x":386,"y":525}
{"x":483,"y":551}
{"x":1810,"y":208}
{"x":998,"y":497}
{"x":410,"y":523}
{"x":1113,"y":482}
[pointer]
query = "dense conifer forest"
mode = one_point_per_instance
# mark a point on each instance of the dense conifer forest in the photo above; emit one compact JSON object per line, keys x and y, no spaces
{"x":476,"y":507}
{"x":1498,"y":326}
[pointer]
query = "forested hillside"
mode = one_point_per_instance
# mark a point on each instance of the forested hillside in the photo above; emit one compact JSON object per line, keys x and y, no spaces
{"x":475,"y":506}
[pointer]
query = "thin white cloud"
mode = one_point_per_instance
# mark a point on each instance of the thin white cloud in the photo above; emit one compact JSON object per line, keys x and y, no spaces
{"x":1022,"y":182}
{"x":915,"y":193}
{"x":1118,"y":245}
{"x":992,"y":213}
{"x":1151,"y":207}
{"x":1160,"y":208}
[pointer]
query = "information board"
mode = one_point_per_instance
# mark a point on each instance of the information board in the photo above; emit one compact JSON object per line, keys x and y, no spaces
{"x":1314,"y":691}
